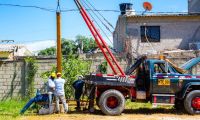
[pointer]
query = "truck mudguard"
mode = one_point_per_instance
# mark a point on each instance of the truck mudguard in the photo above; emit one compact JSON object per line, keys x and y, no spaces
{"x":187,"y":86}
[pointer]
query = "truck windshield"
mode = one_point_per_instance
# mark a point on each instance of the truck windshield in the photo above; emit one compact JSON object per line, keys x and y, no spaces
{"x":160,"y":68}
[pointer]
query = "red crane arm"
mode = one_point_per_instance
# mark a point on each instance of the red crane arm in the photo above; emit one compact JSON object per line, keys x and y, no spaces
{"x":99,"y":40}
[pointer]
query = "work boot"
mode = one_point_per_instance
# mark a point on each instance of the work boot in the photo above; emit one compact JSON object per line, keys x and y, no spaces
{"x":77,"y":108}
{"x":57,"y":112}
{"x":78,"y":105}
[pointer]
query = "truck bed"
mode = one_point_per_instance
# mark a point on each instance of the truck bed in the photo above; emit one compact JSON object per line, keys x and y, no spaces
{"x":111,"y":80}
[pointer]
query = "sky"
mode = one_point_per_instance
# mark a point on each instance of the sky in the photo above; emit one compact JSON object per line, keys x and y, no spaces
{"x":28,"y":25}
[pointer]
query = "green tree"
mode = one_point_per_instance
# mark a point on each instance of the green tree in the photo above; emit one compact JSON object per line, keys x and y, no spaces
{"x":88,"y":43}
{"x":32,"y":68}
{"x":48,"y":52}
{"x":68,"y":47}
{"x":71,"y":47}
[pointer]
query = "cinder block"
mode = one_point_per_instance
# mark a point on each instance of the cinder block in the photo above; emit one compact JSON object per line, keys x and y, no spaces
{"x":6,"y":76}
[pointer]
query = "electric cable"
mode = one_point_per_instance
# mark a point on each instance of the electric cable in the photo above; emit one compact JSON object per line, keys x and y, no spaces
{"x":28,"y":6}
{"x":100,"y":14}
{"x":99,"y":25}
{"x":99,"y":19}
{"x":71,"y":10}
{"x":148,"y":39}
{"x":58,"y":9}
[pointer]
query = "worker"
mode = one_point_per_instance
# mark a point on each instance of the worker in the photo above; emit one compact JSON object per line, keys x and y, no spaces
{"x":60,"y":93}
{"x":78,"y":86}
{"x":51,"y":87}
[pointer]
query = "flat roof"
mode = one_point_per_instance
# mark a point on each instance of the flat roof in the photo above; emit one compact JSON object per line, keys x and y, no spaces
{"x":162,"y":15}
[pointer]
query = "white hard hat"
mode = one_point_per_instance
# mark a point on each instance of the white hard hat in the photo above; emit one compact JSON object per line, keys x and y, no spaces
{"x":80,"y":76}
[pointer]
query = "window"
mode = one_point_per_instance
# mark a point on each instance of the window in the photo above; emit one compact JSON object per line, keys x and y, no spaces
{"x":159,"y":68}
{"x":152,"y":33}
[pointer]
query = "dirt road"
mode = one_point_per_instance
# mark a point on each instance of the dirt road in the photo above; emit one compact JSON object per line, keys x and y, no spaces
{"x":141,"y":114}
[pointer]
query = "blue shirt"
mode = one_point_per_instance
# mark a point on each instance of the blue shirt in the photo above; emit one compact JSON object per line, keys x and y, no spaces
{"x":50,"y":85}
{"x":59,"y":89}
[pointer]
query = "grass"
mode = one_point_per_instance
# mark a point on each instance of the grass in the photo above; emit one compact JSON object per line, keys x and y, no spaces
{"x":10,"y":109}
{"x":136,"y":105}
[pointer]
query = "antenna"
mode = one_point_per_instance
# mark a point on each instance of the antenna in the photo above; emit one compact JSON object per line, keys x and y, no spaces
{"x":147,"y":6}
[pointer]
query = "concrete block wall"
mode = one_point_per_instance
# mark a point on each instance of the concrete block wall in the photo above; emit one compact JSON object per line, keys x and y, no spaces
{"x":13,"y":77}
{"x":13,"y":73}
{"x":98,"y":59}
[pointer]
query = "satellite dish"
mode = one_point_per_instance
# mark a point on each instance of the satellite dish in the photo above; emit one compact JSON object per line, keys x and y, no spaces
{"x":147,"y":6}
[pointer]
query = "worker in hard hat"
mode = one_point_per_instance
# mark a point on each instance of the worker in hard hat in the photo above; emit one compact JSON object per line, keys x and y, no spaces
{"x":51,"y":87}
{"x":60,"y":93}
{"x":78,"y":86}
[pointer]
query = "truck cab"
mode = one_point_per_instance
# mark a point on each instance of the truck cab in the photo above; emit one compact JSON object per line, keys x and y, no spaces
{"x":165,"y":85}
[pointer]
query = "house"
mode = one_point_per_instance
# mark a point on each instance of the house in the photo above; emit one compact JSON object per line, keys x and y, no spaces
{"x":155,"y":33}
{"x":9,"y":51}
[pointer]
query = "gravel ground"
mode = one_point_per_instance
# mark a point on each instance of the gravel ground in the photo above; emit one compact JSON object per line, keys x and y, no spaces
{"x":127,"y":115}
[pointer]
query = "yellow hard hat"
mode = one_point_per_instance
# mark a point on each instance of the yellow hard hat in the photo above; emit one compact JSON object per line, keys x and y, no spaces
{"x":53,"y":74}
{"x":58,"y":73}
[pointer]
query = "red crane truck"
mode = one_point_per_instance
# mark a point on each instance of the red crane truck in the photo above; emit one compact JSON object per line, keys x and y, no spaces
{"x":157,"y":81}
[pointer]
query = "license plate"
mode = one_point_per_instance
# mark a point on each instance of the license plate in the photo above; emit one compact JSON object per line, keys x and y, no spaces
{"x":165,"y":82}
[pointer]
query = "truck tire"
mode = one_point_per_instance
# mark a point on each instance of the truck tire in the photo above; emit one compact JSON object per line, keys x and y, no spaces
{"x":192,"y":102}
{"x":112,"y":102}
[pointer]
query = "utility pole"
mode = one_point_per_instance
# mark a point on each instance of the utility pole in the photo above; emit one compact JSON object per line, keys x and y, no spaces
{"x":59,"y":49}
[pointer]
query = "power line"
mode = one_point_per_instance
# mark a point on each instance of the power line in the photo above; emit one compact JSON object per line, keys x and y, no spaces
{"x":58,"y":6}
{"x":74,"y":10}
{"x":101,"y":15}
{"x":97,"y":24}
{"x":99,"y":18}
{"x":29,"y":6}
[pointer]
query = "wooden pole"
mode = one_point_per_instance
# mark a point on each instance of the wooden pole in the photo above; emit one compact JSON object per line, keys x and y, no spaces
{"x":59,"y":50}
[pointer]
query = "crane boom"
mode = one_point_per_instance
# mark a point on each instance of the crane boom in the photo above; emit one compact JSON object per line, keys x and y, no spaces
{"x":100,"y":41}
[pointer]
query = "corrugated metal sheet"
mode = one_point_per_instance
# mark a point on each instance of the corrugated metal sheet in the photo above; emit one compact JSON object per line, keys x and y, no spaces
{"x":10,"y":47}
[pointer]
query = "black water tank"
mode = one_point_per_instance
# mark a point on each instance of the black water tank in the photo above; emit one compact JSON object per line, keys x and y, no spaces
{"x":125,"y":7}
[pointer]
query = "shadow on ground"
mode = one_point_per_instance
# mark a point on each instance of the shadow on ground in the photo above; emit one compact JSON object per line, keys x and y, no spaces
{"x":142,"y":111}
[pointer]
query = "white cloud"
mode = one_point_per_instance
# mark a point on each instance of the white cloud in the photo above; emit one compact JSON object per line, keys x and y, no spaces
{"x":40,"y":45}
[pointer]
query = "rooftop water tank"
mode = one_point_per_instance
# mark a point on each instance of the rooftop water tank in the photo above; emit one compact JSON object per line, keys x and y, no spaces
{"x":125,"y":8}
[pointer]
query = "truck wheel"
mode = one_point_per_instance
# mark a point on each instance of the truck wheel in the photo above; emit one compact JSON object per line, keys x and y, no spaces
{"x":112,"y":102}
{"x":192,"y":102}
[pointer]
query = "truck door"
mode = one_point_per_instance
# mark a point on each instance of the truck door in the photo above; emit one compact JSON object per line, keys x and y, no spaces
{"x":163,"y":80}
